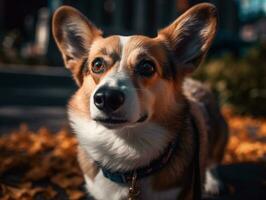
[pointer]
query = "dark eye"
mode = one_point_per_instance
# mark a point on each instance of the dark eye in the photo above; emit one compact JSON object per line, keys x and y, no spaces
{"x":145,"y":68}
{"x":98,"y":66}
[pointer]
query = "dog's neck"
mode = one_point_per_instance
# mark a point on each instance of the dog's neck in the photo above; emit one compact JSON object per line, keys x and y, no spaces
{"x":124,"y":149}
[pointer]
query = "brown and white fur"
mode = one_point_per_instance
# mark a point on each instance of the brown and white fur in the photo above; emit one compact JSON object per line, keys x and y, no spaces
{"x":166,"y":97}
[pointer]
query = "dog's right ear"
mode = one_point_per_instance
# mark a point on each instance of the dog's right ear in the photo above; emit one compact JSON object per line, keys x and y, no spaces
{"x":73,"y":34}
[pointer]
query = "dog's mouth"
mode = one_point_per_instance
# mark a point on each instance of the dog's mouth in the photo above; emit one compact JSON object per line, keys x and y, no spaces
{"x":110,"y":120}
{"x":116,"y":121}
{"x":143,"y":118}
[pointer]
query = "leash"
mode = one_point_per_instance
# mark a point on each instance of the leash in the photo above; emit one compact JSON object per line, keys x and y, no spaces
{"x":196,"y":187}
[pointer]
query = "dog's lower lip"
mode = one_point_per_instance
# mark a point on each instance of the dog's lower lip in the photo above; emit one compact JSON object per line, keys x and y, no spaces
{"x":142,"y":119}
{"x":111,"y":120}
{"x":119,"y":121}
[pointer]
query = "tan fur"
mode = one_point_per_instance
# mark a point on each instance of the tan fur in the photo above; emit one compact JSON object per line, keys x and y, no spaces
{"x":177,"y":99}
{"x":70,"y":17}
{"x":176,"y":34}
{"x":81,"y":100}
{"x":88,"y":167}
{"x":215,"y":125}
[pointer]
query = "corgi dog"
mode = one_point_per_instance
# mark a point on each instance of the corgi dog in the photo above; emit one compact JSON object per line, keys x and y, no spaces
{"x":140,"y":121}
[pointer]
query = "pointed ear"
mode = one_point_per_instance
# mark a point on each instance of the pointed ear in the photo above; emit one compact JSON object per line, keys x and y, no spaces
{"x":189,"y":37}
{"x":73,"y":34}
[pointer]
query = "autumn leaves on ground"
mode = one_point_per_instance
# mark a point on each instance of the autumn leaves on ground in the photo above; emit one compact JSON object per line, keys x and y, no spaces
{"x":42,"y":164}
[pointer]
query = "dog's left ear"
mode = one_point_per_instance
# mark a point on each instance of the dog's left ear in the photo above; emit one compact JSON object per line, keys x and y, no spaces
{"x":190,"y":36}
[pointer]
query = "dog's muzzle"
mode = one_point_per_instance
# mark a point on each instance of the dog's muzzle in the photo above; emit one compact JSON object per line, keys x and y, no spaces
{"x":111,"y":102}
{"x":108,"y":100}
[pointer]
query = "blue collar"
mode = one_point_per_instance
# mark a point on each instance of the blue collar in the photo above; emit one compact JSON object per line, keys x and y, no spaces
{"x":155,"y":165}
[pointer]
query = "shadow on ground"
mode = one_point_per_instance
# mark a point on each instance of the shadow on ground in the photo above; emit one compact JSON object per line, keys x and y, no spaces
{"x":243,"y":181}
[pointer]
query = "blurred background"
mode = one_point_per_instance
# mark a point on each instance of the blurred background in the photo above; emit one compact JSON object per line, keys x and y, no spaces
{"x":36,"y":86}
{"x":38,"y":158}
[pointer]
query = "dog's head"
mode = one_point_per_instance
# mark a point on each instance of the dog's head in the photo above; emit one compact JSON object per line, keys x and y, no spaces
{"x":129,"y":80}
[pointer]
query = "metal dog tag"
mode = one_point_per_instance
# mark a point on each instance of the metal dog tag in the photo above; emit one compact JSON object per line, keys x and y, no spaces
{"x":134,"y":190}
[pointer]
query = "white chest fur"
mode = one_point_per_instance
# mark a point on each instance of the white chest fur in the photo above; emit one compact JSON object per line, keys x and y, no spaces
{"x":121,"y":150}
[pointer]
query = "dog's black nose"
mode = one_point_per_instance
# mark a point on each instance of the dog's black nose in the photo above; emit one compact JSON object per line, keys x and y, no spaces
{"x":108,"y":100}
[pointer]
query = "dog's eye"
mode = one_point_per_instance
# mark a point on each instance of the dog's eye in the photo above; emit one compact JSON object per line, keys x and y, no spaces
{"x":145,"y":68}
{"x":98,"y":66}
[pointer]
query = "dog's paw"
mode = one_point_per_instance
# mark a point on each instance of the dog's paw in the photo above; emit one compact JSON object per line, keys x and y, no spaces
{"x":212,"y":185}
